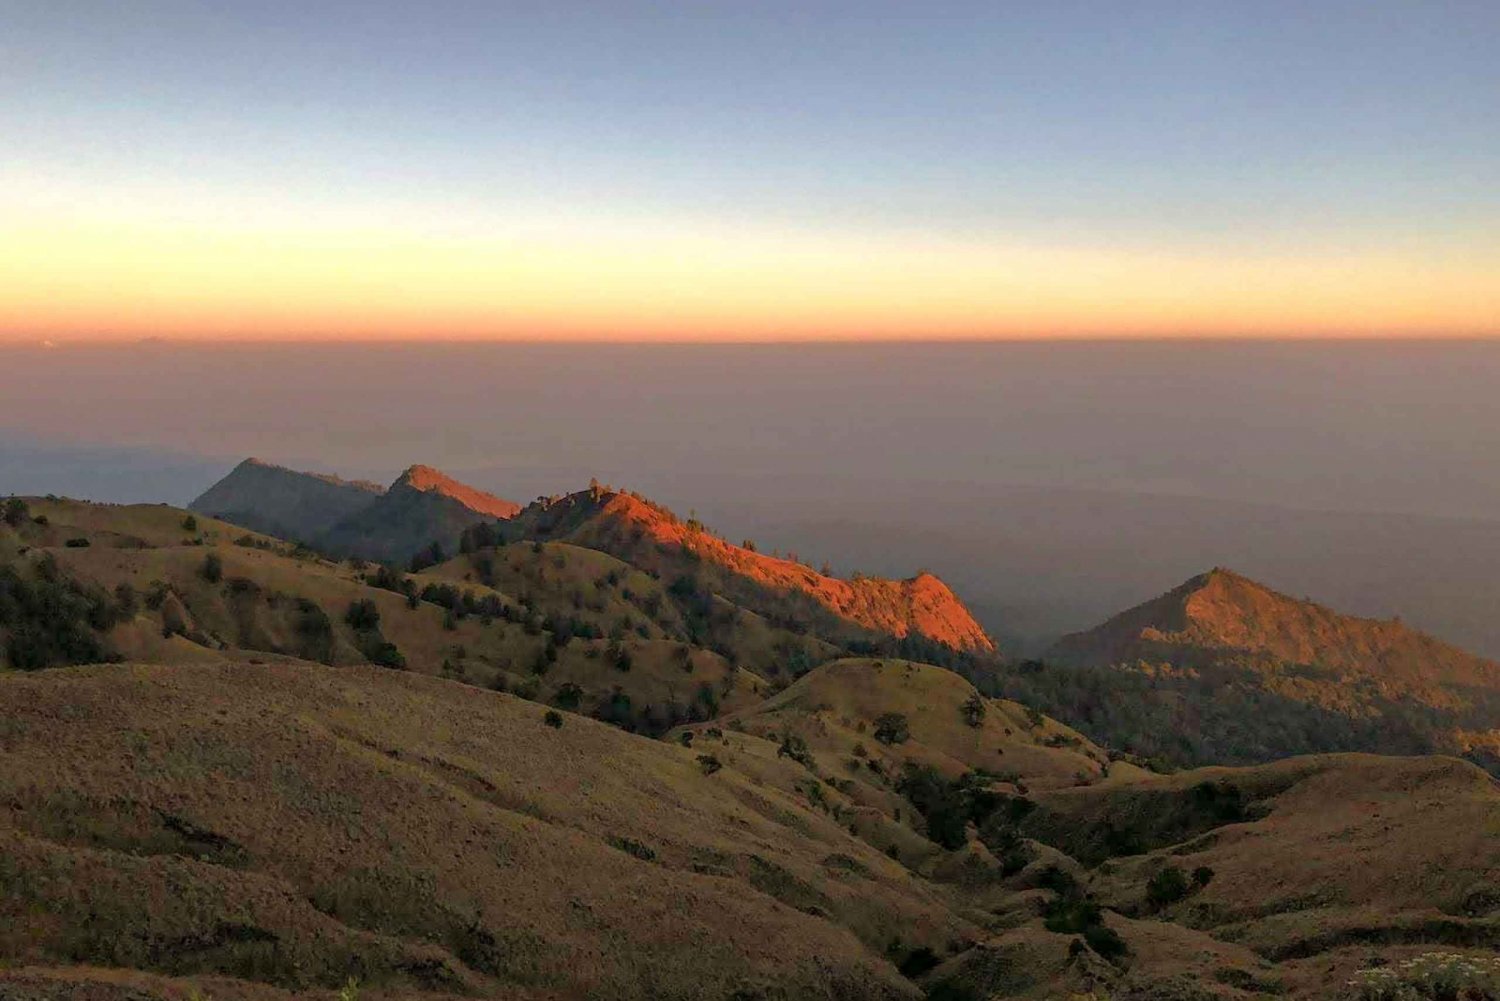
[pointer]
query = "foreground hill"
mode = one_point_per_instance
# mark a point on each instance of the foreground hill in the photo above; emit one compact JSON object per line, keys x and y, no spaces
{"x":284,"y":502}
{"x":1225,"y":669}
{"x":421,"y":508}
{"x":921,"y":609}
{"x":295,"y":825}
{"x":266,"y":831}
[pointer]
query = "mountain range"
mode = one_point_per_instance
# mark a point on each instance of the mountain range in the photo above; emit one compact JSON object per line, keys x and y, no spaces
{"x":445,"y":745}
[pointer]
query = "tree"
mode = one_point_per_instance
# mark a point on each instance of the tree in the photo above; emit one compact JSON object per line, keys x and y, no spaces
{"x":568,"y":695}
{"x":15,"y":511}
{"x":974,"y":710}
{"x":190,"y":524}
{"x":892,"y":728}
{"x":362,"y":615}
{"x":1167,"y":887}
{"x":213,"y":568}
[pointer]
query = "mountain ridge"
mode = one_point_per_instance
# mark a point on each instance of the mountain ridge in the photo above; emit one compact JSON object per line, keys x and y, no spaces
{"x":650,"y":535}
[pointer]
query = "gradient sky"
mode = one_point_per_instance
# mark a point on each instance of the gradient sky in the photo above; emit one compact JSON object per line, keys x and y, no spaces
{"x":268,"y":169}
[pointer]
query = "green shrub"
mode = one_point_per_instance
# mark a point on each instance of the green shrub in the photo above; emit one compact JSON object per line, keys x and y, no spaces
{"x":212,"y":569}
{"x":1167,"y":887}
{"x":632,"y":847}
{"x":973,"y":710}
{"x":50,"y":620}
{"x":362,"y":615}
{"x":15,"y":511}
{"x":568,"y":695}
{"x":918,"y":962}
{"x":553,"y":719}
{"x":1202,"y":876}
{"x":892,"y":728}
{"x":1433,"y":976}
{"x":709,"y":763}
{"x":386,"y":654}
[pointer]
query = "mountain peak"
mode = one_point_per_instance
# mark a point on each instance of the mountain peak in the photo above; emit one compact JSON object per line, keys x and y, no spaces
{"x":638,"y":530}
{"x":1222,"y":612}
{"x":428,"y":480}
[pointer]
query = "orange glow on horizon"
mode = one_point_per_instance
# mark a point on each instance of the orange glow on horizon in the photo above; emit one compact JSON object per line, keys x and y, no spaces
{"x":101,"y":276}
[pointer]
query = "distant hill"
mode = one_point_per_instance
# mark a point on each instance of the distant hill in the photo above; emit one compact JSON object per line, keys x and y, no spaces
{"x":1225,"y":669}
{"x":1222,"y":614}
{"x":647,"y":535}
{"x":284,"y":502}
{"x":422,"y":507}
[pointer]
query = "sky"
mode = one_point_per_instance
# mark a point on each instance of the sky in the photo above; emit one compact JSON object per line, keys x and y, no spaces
{"x":748,"y":171}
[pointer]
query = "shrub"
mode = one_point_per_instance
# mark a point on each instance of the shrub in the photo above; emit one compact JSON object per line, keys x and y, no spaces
{"x":892,"y":728}
{"x":795,"y":747}
{"x":79,"y":543}
{"x":15,"y":511}
{"x":973,"y":710}
{"x":1105,"y":941}
{"x":568,"y":695}
{"x":1167,"y":887}
{"x":190,"y":524}
{"x":212,"y":569}
{"x":50,"y":620}
{"x":1432,"y":976}
{"x":553,"y":719}
{"x":632,"y":847}
{"x":918,"y":962}
{"x":125,"y":601}
{"x":1202,"y":876}
{"x":386,"y":654}
{"x":362,"y":615}
{"x":709,"y":763}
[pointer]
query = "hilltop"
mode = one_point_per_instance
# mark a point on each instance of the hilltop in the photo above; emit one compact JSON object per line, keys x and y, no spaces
{"x":1220,"y":613}
{"x":421,"y":509}
{"x":1225,"y":669}
{"x":921,"y":609}
{"x":284,"y":502}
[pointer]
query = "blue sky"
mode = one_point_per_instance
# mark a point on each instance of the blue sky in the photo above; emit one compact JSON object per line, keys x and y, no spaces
{"x":1213,"y":128}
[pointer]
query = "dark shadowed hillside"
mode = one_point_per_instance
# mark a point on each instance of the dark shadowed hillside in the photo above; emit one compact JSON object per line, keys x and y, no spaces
{"x":423,"y":507}
{"x":284,"y":502}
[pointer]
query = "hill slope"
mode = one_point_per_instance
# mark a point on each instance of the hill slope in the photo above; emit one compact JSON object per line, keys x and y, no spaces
{"x":390,"y":524}
{"x":649,"y":536}
{"x":1225,"y":669}
{"x":423,"y":507}
{"x":284,"y":502}
{"x":296,"y":824}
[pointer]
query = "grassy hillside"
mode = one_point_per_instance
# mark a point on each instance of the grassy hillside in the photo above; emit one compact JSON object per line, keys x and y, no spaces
{"x":1223,"y":669}
{"x":296,"y":825}
{"x":260,"y":813}
{"x":648,"y":536}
